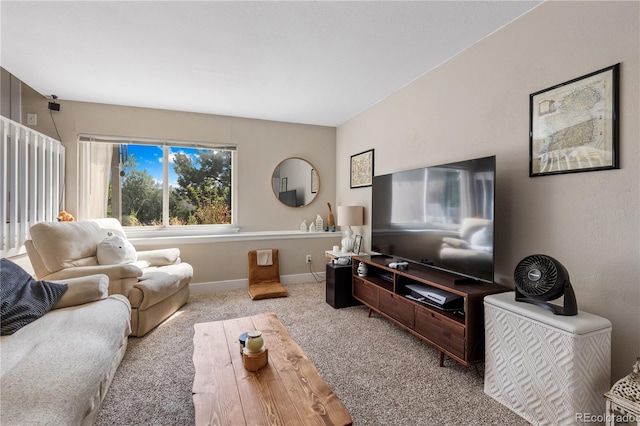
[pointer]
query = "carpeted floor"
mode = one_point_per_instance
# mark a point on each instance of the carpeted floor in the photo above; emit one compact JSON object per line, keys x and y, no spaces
{"x":383,"y":375}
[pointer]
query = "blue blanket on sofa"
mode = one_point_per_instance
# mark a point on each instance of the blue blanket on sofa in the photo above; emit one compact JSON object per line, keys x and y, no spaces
{"x":22,"y":298}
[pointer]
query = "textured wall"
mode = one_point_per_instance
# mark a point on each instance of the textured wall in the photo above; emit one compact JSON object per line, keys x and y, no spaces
{"x":477,"y":104}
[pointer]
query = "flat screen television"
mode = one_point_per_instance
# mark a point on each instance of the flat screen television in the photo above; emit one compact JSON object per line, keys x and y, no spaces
{"x":441,"y":216}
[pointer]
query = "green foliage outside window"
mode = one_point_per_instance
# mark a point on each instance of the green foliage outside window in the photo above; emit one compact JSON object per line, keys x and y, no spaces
{"x":202,"y":195}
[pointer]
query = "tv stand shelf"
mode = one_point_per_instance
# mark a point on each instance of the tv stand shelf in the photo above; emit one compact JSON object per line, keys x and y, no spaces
{"x":457,"y":333}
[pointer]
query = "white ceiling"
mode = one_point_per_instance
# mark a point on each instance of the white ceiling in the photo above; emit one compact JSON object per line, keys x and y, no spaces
{"x":315,"y":62}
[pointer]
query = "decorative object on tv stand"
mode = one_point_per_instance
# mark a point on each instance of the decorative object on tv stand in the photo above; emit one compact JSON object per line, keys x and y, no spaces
{"x":357,"y":246}
{"x":303,"y":226}
{"x":319,"y":223}
{"x":573,"y":126}
{"x":362,"y":270}
{"x":541,"y":278}
{"x":350,"y":216}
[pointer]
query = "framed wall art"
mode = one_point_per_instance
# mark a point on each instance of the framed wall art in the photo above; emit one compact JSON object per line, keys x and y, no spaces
{"x":573,"y":127}
{"x":362,"y":169}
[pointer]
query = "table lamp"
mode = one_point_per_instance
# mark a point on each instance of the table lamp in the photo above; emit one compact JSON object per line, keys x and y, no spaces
{"x":350,"y":216}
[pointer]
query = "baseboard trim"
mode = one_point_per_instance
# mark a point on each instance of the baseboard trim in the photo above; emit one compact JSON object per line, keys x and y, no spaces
{"x":216,"y":286}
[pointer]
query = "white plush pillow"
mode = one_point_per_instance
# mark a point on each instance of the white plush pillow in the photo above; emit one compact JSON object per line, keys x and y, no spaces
{"x":114,"y":249}
{"x":482,"y":239}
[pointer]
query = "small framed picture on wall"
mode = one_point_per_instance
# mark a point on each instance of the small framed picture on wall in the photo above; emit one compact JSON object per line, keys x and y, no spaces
{"x":361,"y":169}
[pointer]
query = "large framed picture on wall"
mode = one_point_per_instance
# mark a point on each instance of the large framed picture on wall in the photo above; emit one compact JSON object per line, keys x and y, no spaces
{"x":574,"y":125}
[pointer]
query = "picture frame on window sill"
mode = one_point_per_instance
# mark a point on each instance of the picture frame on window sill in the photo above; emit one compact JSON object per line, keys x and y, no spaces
{"x":573,"y":126}
{"x":361,"y":170}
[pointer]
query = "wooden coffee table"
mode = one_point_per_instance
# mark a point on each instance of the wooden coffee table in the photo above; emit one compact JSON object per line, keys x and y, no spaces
{"x":288,"y":391}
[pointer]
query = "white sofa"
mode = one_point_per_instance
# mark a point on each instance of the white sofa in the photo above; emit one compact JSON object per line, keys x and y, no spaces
{"x":61,"y":250}
{"x":57,"y":369}
{"x":472,"y":250}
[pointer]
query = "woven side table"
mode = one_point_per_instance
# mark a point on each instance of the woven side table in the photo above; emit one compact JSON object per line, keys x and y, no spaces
{"x":623,"y":400}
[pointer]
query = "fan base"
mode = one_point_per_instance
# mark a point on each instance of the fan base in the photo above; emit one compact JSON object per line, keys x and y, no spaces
{"x":570,"y":305}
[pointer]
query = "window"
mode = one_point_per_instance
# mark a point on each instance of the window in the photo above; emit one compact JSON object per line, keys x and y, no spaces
{"x":150,"y":183}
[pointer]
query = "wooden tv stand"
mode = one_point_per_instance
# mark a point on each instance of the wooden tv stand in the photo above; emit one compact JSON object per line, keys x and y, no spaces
{"x":458,"y":334}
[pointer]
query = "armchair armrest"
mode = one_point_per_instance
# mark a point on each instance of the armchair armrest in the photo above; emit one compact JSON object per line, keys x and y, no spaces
{"x":83,"y":290}
{"x":160,"y":257}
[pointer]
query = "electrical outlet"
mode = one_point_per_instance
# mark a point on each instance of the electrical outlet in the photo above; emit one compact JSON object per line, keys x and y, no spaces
{"x":32,"y":119}
{"x":308,"y":258}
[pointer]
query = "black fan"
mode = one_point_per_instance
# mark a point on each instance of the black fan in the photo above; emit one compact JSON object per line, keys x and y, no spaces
{"x":541,"y":278}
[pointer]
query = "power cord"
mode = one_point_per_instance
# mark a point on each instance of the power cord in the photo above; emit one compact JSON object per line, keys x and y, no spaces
{"x":54,"y":125}
{"x":315,"y":277}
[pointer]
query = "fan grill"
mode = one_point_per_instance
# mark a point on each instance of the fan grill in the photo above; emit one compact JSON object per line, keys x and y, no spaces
{"x":536,"y":275}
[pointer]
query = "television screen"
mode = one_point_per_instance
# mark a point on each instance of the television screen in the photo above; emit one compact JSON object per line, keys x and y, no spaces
{"x":441,"y":216}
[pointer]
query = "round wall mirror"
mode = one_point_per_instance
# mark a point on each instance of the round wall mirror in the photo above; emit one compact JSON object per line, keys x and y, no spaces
{"x":295,"y":182}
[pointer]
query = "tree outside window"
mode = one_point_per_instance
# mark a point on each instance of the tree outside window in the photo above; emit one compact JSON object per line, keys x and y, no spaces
{"x":197,"y":190}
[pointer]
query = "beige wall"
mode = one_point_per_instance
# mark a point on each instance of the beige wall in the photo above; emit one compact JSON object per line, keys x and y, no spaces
{"x":477,"y":104}
{"x":261,"y":146}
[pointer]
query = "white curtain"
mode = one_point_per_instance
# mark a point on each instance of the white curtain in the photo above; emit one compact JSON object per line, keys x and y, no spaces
{"x":94,"y":180}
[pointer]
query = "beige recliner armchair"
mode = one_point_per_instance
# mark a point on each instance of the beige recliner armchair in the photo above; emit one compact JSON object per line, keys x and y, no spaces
{"x":156,"y":282}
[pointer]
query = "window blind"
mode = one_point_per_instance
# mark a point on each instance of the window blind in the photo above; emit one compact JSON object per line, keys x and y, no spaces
{"x":122,"y":140}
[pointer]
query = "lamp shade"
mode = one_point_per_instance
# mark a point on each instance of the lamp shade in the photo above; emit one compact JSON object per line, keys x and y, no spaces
{"x":350,"y":215}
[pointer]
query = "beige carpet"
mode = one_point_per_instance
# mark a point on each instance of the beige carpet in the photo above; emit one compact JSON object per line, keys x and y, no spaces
{"x":383,"y":375}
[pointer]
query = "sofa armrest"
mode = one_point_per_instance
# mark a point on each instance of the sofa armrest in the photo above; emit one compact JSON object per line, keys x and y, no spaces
{"x":455,"y":243}
{"x":114,"y":272}
{"x":160,"y":257}
{"x":83,"y":290}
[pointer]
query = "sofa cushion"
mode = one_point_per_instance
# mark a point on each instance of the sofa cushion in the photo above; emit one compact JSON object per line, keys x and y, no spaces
{"x":56,"y":370}
{"x":22,"y":298}
{"x":114,"y":250}
{"x":160,"y":257}
{"x":157,"y":284}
